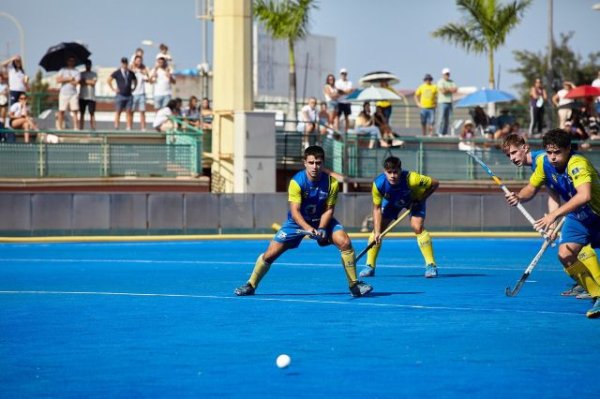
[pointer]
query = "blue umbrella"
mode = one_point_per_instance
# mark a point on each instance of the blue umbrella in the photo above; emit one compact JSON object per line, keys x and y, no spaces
{"x":485,"y":96}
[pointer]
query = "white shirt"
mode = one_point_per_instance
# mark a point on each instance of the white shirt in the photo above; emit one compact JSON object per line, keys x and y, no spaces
{"x":343,"y":85}
{"x":161,"y":116}
{"x":68,"y":89}
{"x":596,"y":83}
{"x":18,"y":111}
{"x":141,"y":82}
{"x":561,"y":97}
{"x":16,"y":79}
{"x":162,"y":85}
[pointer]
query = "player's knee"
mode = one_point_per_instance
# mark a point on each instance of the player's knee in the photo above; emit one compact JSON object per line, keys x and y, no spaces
{"x":566,"y":255}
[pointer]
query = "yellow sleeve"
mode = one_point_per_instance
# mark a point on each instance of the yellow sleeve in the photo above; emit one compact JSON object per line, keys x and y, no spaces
{"x":377,"y":197}
{"x":334,"y":188}
{"x":294,"y":192}
{"x":538,"y":178}
{"x":418,"y":184}
{"x":580,"y":171}
{"x":419,"y":90}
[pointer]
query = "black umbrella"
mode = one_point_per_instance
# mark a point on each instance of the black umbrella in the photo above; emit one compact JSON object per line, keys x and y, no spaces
{"x":56,"y":56}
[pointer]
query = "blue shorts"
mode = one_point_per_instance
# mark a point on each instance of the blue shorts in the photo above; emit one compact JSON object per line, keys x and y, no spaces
{"x":391,"y":212}
{"x":427,"y":116}
{"x":123,"y":102}
{"x":288,"y":234}
{"x":139,"y":102}
{"x":581,"y":232}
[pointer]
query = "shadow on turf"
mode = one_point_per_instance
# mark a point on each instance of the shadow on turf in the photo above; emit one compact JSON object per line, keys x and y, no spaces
{"x":371,"y":295}
{"x":441,"y":275}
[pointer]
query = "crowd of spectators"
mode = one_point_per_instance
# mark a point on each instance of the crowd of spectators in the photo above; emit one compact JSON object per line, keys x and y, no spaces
{"x":77,"y":95}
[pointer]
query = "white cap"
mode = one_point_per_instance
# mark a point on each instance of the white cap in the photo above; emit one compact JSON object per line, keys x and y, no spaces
{"x":343,"y":70}
{"x":469,"y":122}
{"x":445,"y":71}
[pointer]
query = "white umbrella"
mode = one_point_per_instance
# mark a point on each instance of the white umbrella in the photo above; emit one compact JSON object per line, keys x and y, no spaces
{"x":378,"y":77}
{"x":373,"y":93}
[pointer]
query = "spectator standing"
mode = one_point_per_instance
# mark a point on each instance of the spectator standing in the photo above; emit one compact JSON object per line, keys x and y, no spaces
{"x":537,"y":101}
{"x":68,"y":78}
{"x":138,"y":52}
{"x":20,"y":117}
{"x":446,"y":87}
{"x":87,"y":95}
{"x":163,"y":80}
{"x":308,"y":121}
{"x":331,"y":95}
{"x":344,"y":88}
{"x":426,"y":100}
{"x":386,"y":105}
{"x":142,"y":74}
{"x":126,"y":83}
{"x":561,"y":102}
{"x":206,"y":114}
{"x":18,"y":81}
{"x":596,"y":83}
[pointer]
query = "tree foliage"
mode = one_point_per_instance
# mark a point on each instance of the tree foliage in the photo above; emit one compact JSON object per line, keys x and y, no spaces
{"x":485,"y":27}
{"x":286,"y":20}
{"x":566,"y":65}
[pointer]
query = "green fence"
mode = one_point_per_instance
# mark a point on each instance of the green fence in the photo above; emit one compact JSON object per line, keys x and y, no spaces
{"x":179,"y":155}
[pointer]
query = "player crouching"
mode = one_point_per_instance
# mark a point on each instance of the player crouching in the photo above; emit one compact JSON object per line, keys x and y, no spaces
{"x":312,"y":195}
{"x":394,"y":190}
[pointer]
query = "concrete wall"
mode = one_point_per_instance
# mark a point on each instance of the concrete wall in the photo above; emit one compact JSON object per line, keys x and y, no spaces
{"x":38,"y":214}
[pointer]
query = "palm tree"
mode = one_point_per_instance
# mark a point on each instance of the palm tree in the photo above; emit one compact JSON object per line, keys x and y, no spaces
{"x":286,"y":20}
{"x":485,"y":29}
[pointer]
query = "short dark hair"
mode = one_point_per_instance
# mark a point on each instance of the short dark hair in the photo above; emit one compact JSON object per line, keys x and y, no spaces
{"x":124,"y":60}
{"x":392,"y":163}
{"x":88,"y":63}
{"x":314,"y":150}
{"x":557,"y":137}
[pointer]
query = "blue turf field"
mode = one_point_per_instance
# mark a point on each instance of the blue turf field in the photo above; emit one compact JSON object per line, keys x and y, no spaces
{"x":160,"y":320}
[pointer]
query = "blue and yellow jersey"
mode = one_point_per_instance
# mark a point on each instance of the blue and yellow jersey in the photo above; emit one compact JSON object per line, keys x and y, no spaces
{"x":411,"y":187}
{"x":534,"y":156}
{"x":579,"y":171}
{"x":314,"y":197}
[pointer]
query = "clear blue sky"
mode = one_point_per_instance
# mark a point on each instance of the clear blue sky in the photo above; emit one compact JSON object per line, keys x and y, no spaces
{"x":392,"y":35}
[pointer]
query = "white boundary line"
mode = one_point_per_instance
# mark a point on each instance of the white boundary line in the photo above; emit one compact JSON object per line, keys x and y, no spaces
{"x":360,"y":302}
{"x":206,"y":262}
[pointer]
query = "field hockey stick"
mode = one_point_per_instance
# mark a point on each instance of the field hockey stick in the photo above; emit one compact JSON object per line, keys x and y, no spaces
{"x":534,"y":261}
{"x":496,"y":179}
{"x":308,"y":233}
{"x":389,"y":228}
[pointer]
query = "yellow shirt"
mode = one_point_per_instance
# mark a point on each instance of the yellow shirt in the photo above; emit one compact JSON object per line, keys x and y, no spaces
{"x":428,"y":95}
{"x":579,"y":170}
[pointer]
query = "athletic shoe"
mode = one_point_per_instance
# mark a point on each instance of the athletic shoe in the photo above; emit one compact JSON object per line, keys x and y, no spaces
{"x":368,"y":271}
{"x":360,"y":289}
{"x":584,"y":295}
{"x":575,"y":290}
{"x":594,"y":312}
{"x":431,"y":271}
{"x":244,"y":290}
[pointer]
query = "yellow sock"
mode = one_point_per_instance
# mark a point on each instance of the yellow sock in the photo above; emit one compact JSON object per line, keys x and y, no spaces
{"x":588,"y":257}
{"x":424,"y":241}
{"x":260,"y":269}
{"x":349,"y":262}
{"x":581,"y":273}
{"x":372,"y":253}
